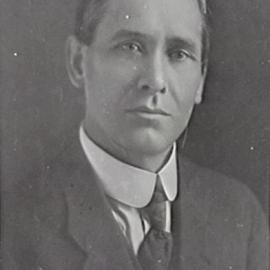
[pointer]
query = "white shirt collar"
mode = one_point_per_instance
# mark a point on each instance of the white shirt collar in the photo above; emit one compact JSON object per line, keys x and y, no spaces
{"x":128,"y":184}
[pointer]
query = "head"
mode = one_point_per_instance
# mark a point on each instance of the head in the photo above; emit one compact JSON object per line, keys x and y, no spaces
{"x":142,"y":64}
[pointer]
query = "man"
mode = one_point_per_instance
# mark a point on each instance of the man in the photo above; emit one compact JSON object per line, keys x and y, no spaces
{"x":126,"y":198}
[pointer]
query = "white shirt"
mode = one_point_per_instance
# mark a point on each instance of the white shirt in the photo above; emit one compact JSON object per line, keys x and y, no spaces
{"x":131,"y":188}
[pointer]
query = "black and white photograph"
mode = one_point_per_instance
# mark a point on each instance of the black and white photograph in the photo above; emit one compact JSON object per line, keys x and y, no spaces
{"x":135,"y":134}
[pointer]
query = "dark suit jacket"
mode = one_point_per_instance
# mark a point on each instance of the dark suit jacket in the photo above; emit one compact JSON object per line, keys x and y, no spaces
{"x":62,"y":221}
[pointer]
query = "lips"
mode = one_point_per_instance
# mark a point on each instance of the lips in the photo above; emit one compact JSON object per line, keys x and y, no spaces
{"x":147,"y":110}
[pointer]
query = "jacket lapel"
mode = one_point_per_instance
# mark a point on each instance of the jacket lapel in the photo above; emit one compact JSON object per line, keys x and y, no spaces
{"x":92,"y":226}
{"x":190,"y":219}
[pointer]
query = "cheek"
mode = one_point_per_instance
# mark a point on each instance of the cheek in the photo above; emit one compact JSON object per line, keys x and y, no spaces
{"x":185,"y":88}
{"x":109,"y":85}
{"x":183,"y":98}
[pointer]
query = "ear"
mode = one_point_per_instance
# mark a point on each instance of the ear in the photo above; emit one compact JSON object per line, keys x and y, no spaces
{"x":199,"y":93}
{"x":74,"y":56}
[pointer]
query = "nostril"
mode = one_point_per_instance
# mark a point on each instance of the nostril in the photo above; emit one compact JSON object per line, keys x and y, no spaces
{"x":145,"y":87}
{"x":163,"y":90}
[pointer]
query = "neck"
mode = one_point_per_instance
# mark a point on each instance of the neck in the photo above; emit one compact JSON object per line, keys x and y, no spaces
{"x":149,"y":162}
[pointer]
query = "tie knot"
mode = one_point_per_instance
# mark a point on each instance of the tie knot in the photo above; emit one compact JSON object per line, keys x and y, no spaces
{"x":158,"y":194}
{"x":155,"y":211}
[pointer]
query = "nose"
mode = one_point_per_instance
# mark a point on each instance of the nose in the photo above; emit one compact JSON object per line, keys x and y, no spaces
{"x":153,"y":77}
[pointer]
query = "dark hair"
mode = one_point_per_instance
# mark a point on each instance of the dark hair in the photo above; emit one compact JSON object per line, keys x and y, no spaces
{"x":90,"y":12}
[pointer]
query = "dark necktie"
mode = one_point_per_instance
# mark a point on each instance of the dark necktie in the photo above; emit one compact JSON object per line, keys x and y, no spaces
{"x":155,"y":251}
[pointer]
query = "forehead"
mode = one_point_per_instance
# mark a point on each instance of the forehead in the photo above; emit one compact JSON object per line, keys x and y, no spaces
{"x":159,"y":18}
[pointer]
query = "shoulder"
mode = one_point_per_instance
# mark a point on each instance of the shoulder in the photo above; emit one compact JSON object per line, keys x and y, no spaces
{"x":37,"y":208}
{"x":217,"y":190}
{"x":222,"y":214}
{"x":197,"y":176}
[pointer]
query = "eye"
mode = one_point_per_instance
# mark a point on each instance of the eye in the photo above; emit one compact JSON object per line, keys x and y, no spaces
{"x":132,"y":47}
{"x":179,"y":55}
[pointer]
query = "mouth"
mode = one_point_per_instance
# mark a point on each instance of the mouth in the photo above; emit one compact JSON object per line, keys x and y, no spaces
{"x":144,"y":110}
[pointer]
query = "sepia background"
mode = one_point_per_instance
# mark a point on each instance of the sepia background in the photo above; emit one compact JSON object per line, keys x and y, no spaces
{"x":41,"y":111}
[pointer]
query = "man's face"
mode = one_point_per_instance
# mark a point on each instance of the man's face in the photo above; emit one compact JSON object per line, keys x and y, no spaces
{"x":142,"y":74}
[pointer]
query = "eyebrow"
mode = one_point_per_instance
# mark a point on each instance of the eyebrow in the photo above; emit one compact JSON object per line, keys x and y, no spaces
{"x":131,"y":34}
{"x":186,"y":43}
